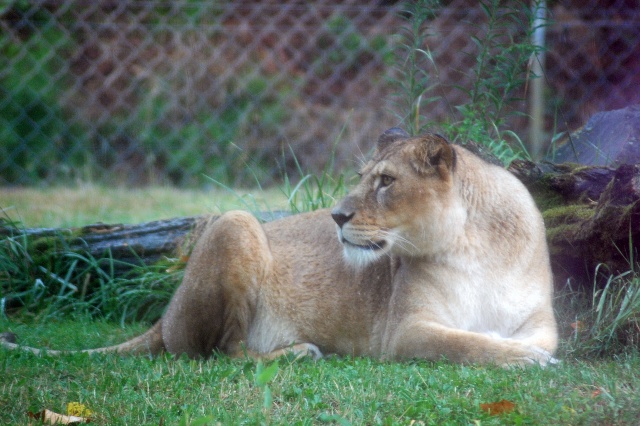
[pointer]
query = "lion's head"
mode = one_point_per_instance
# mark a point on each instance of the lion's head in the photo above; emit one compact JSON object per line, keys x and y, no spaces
{"x":405,"y":203}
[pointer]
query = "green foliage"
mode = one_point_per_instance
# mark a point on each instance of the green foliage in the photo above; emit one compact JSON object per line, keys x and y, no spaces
{"x":186,"y":145}
{"x":342,"y":47}
{"x":413,"y":81}
{"x":32,"y":279}
{"x":41,"y":140}
{"x":192,"y":13}
{"x":617,"y":312}
{"x":312,"y":191}
{"x":48,"y":276}
{"x":609,"y":322}
{"x":505,"y":145}
{"x":200,"y":421}
{"x":498,"y":75}
{"x":263,"y":376}
{"x":37,"y":136}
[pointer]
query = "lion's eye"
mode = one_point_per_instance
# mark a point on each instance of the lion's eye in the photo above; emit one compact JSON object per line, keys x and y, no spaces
{"x":386,"y":180}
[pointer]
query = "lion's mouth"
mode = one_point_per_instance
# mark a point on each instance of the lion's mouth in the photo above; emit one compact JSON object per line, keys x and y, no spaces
{"x":371,"y":246}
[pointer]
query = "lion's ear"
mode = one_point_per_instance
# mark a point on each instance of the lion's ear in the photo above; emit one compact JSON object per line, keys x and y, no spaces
{"x":389,"y":136}
{"x":435,"y":152}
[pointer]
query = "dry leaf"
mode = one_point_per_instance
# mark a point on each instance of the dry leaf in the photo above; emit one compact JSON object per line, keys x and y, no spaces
{"x":500,"y":407}
{"x":52,"y":418}
{"x":578,"y":326}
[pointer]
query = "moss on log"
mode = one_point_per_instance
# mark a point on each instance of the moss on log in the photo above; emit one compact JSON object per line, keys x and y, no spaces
{"x":592,"y":214}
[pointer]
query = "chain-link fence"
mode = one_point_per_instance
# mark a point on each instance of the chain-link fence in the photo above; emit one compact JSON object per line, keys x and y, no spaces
{"x":147,"y":92}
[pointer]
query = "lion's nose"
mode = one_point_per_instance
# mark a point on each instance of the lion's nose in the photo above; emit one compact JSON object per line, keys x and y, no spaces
{"x":341,"y":217}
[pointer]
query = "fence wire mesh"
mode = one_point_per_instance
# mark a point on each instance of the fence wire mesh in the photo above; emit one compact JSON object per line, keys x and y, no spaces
{"x":169,"y":92}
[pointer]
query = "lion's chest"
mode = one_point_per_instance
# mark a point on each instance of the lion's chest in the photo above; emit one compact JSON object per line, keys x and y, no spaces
{"x":463,"y":298}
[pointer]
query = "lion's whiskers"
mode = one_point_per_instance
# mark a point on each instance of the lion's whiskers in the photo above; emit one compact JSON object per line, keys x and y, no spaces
{"x":398,"y":240}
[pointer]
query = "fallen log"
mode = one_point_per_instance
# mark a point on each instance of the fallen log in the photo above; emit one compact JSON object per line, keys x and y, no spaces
{"x":126,"y":244}
{"x":592,"y":216}
{"x":133,"y":244}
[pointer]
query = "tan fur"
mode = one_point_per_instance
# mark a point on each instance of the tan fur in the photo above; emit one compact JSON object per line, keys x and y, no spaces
{"x":439,"y":254}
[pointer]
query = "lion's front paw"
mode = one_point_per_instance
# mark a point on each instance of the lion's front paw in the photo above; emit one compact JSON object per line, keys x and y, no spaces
{"x":534,"y":355}
{"x":543,"y":357}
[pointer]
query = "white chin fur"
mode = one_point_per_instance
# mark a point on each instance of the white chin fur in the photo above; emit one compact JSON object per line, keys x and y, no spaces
{"x":361,"y":257}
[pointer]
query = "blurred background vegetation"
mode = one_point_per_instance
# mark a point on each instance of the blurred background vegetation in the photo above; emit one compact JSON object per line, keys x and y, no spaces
{"x":245,"y":92}
{"x":119,"y":98}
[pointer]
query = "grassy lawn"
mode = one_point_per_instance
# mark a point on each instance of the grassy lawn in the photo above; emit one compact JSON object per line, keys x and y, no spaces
{"x":142,"y":391}
{"x":88,"y":204}
{"x":168,"y":391}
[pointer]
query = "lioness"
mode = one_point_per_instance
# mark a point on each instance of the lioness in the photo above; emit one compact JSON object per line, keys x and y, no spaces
{"x":437,"y":254}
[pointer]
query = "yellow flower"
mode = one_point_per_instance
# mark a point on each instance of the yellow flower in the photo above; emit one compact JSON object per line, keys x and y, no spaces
{"x":78,"y":409}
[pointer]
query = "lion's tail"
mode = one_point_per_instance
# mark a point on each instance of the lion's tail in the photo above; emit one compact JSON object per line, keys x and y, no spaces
{"x":148,"y":343}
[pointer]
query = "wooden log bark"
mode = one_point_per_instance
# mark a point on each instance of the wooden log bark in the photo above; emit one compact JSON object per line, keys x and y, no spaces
{"x":592,"y":216}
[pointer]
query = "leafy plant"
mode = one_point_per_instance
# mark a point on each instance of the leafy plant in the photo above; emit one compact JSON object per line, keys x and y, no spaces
{"x":264,"y":375}
{"x":610,"y":324}
{"x":186,"y":420}
{"x":498,"y":76}
{"x":343,"y":48}
{"x":185,"y":145}
{"x":413,"y":81}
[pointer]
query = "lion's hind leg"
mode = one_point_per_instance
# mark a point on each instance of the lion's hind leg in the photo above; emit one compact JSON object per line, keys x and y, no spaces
{"x":214,"y":306}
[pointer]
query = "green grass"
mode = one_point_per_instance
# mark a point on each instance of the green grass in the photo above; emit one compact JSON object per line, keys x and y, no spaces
{"x":165,"y":390}
{"x":607,"y":320}
{"x":86,"y":204}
